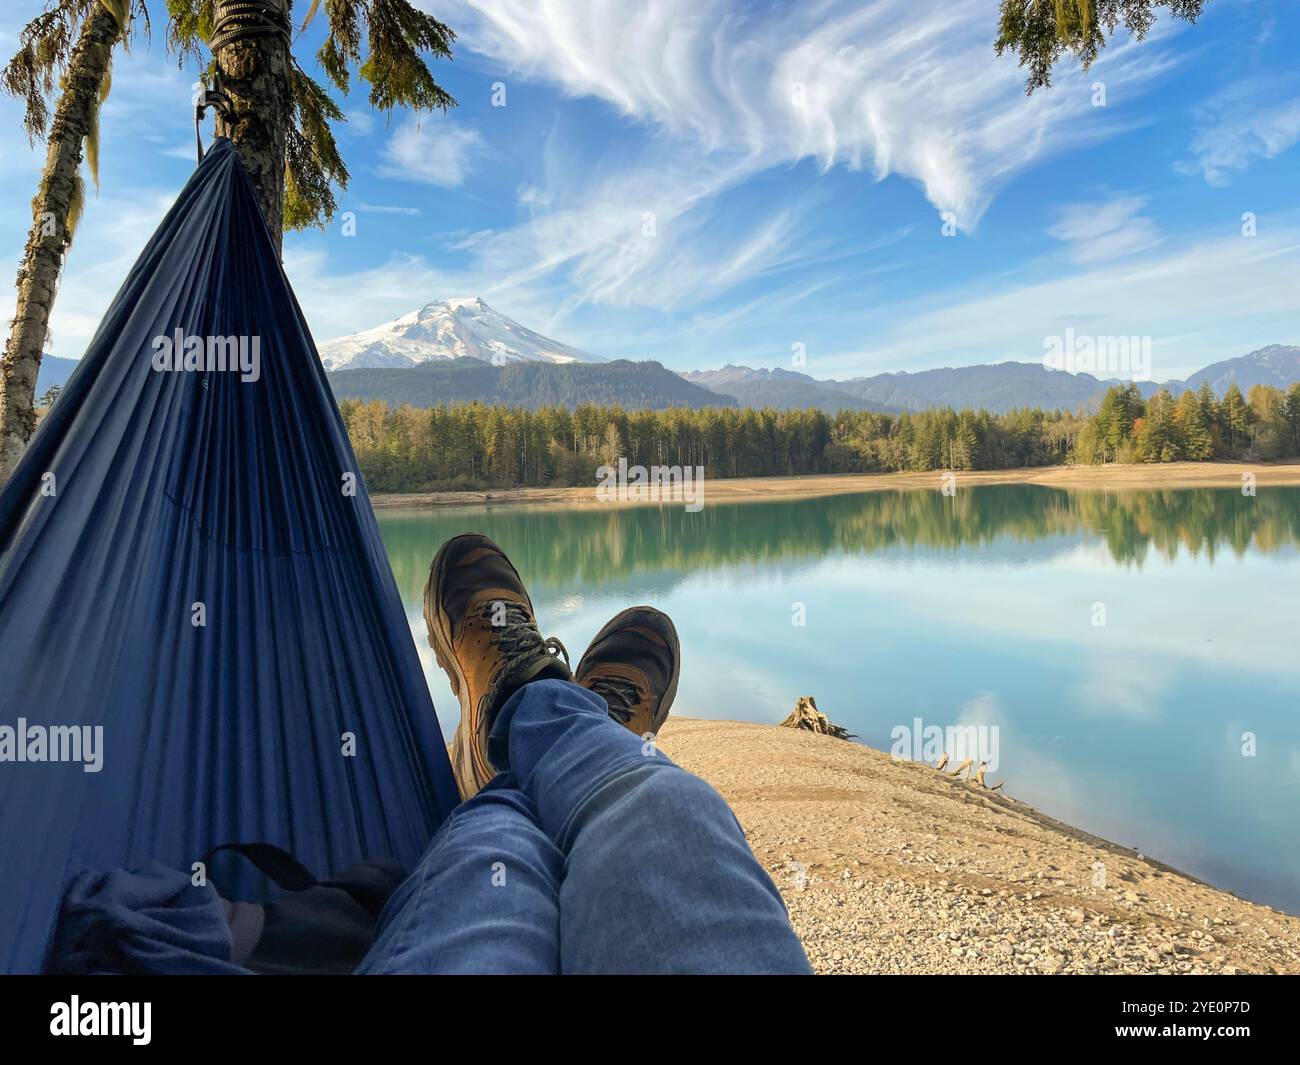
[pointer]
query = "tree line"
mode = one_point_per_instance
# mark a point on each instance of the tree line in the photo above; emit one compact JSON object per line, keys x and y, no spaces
{"x":471,"y":446}
{"x":1263,"y":424}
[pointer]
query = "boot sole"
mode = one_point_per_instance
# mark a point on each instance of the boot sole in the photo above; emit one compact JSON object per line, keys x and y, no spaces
{"x":440,"y":639}
{"x":439,"y":626}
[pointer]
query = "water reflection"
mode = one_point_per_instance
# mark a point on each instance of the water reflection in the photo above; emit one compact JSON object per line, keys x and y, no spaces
{"x":574,"y":547}
{"x":976,"y":609}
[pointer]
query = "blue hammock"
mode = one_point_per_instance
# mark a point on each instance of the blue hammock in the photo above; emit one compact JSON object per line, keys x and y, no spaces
{"x":150,"y":500}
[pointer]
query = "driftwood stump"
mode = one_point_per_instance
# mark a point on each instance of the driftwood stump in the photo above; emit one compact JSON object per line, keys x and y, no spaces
{"x":806,"y":716}
{"x":964,"y":768}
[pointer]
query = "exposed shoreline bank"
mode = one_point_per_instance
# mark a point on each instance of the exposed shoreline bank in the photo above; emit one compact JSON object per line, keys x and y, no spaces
{"x":1114,"y":478}
{"x":890,"y":866}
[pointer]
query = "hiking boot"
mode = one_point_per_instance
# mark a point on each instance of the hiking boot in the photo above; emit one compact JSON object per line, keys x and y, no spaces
{"x":633,"y":664}
{"x":484,"y":635}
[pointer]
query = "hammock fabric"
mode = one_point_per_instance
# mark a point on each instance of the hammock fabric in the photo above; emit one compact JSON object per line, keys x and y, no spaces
{"x":150,"y":500}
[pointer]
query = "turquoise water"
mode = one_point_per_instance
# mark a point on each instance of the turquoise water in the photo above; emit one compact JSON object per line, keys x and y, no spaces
{"x":986,"y":608}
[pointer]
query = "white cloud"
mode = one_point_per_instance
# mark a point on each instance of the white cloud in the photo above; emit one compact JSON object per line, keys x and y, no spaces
{"x":895,"y":87}
{"x":1107,"y":229}
{"x":531,"y":196}
{"x":726,"y":92}
{"x":1177,"y":296}
{"x":184,"y":151}
{"x":339,"y":303}
{"x":431,"y":150}
{"x":1241,"y":124}
{"x":360,"y":122}
{"x":385,"y":208}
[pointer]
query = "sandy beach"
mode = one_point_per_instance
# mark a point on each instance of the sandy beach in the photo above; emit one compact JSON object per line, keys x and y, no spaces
{"x":892,"y":867}
{"x":1115,"y":477}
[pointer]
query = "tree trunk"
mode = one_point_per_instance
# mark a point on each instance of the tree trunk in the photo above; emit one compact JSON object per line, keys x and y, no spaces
{"x":48,"y":239}
{"x":255,"y":77}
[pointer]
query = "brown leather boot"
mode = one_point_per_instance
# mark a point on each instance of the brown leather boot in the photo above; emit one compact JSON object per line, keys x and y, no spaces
{"x":633,"y":664}
{"x":484,"y":635}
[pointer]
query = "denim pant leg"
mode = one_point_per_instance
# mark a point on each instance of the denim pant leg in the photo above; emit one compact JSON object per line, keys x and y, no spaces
{"x":658,"y":876}
{"x":484,"y":898}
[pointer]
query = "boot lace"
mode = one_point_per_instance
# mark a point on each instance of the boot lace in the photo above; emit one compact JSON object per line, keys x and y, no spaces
{"x":515,"y":635}
{"x":620,"y":694}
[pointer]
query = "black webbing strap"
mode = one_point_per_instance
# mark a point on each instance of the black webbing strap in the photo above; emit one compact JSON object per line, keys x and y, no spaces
{"x":238,"y":20}
{"x":274,"y":862}
{"x":242,"y":19}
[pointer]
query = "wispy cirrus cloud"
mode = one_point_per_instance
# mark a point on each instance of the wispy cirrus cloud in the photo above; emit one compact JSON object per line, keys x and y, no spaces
{"x":388,"y":208}
{"x":1249,"y":120}
{"x":893,"y":87}
{"x":698,"y":180}
{"x":1100,"y":230}
{"x":728,"y":92}
{"x":664,"y":247}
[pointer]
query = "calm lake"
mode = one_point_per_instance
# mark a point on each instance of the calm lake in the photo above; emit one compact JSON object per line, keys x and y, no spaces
{"x":1136,"y":651}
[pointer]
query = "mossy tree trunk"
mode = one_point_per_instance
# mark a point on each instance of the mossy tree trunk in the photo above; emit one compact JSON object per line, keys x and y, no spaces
{"x":51,"y":232}
{"x":255,"y":78}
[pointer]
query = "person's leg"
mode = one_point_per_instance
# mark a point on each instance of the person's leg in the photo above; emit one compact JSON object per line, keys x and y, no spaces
{"x":484,"y":898}
{"x":658,"y":875}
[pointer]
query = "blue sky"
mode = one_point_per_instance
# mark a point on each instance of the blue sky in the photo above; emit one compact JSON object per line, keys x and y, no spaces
{"x":704,"y":181}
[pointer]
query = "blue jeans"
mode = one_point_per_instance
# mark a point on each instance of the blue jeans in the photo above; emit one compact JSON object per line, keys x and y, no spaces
{"x":591,"y":853}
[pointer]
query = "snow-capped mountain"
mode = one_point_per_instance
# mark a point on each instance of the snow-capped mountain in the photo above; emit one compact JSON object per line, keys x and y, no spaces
{"x":447,"y":329}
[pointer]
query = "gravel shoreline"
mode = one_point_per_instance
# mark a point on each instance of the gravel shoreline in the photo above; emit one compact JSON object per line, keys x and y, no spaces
{"x":892,"y":867}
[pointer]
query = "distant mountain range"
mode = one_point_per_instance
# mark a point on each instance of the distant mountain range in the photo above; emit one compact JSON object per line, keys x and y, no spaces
{"x":633,"y":385}
{"x":461,"y":350}
{"x":447,"y":329}
{"x":462,"y":330}
{"x":782,"y":389}
{"x":997,"y":387}
{"x":1277,"y":365}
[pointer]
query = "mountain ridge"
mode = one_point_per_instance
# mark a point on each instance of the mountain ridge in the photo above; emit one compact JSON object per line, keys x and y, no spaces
{"x":996,"y":387}
{"x":633,"y":385}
